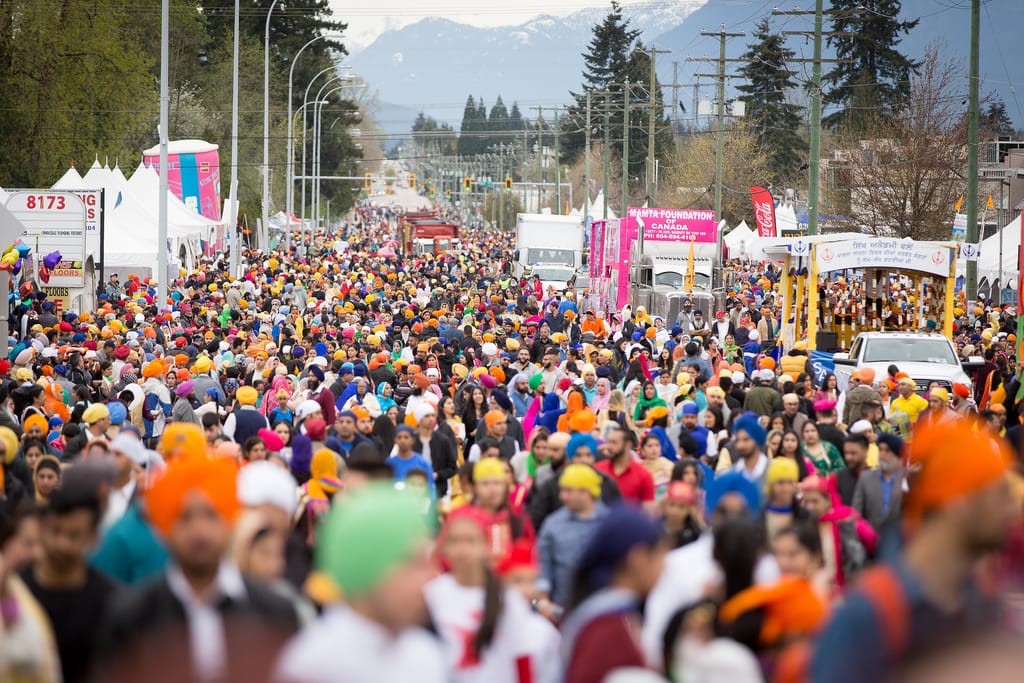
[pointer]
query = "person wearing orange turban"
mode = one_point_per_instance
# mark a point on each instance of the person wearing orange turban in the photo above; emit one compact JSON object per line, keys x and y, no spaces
{"x":193,"y":482}
{"x":958,"y":510}
{"x":182,"y":439}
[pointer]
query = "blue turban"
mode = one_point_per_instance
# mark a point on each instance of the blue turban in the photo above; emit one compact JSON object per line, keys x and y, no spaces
{"x":578,"y":441}
{"x":690,"y":408}
{"x":733,"y":482}
{"x":894,"y":442}
{"x":749,"y":423}
{"x":619,"y":531}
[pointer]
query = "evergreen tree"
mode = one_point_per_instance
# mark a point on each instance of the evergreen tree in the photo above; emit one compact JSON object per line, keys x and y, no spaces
{"x":468,"y":129}
{"x":607,"y":64}
{"x":638,"y":73}
{"x":995,"y":121}
{"x":497,"y":124}
{"x":774,"y":121}
{"x":515,"y":118}
{"x":873,"y":79}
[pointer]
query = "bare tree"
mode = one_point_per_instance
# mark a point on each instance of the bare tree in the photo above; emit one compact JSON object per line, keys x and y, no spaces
{"x":904,"y":181}
{"x":689,"y":180}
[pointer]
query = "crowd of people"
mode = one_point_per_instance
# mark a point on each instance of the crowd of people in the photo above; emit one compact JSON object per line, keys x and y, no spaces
{"x":344,"y":465}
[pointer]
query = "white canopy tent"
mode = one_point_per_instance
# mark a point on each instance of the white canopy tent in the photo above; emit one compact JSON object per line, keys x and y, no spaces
{"x":131,"y":220}
{"x":738,"y":240}
{"x":988,"y":262}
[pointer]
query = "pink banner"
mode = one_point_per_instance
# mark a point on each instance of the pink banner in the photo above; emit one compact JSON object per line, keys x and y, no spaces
{"x":676,"y":225}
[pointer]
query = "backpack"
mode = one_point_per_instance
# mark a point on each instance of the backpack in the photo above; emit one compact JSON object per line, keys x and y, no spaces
{"x":855,"y":555}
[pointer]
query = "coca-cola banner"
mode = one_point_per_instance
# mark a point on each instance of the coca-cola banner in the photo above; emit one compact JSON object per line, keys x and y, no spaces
{"x":676,"y":225}
{"x":764,"y":212}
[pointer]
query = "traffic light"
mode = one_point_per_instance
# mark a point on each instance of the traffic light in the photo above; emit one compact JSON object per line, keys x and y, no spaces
{"x":412,"y":180}
{"x":508,"y":184}
{"x":467,"y":184}
{"x":368,"y":181}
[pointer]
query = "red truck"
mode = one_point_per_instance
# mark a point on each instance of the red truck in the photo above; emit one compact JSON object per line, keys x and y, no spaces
{"x":428,"y":235}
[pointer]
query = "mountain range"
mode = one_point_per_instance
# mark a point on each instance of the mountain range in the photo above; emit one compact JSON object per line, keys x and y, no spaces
{"x":434,"y":64}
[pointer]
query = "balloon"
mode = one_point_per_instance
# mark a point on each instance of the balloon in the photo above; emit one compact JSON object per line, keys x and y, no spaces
{"x":44,"y":273}
{"x":16,"y":268}
{"x":22,"y":249}
{"x":51,"y":260}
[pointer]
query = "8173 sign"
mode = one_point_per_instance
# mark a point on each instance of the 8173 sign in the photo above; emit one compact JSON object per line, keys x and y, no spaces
{"x":54,"y":221}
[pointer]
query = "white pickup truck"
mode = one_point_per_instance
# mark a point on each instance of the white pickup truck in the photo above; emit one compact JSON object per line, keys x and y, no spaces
{"x":926,"y":357}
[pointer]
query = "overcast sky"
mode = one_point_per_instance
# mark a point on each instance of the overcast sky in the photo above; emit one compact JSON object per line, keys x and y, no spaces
{"x":367,"y":20}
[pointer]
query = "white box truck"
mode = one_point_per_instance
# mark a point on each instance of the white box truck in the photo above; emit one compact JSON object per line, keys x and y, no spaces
{"x":548,"y":240}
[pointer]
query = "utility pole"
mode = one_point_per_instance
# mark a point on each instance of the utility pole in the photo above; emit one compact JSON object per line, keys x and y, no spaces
{"x":814,"y":126}
{"x":558,"y":170}
{"x":675,"y":97}
{"x":722,"y":36}
{"x":972,"y":153}
{"x":652,"y":106}
{"x":606,"y":151}
{"x":586,"y":163}
{"x":625,"y":148}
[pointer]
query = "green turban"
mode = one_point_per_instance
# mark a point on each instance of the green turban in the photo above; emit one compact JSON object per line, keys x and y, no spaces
{"x":369,"y":534}
{"x":535,"y":381}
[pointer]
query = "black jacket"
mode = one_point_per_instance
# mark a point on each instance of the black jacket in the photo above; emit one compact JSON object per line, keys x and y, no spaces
{"x":442,"y":459}
{"x":147,"y":627}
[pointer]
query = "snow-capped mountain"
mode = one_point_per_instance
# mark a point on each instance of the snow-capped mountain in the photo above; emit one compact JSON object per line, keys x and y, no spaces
{"x":434,"y":64}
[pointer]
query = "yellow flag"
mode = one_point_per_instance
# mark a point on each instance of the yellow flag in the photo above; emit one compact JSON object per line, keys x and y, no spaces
{"x":298,"y":327}
{"x":959,"y":203}
{"x":990,"y":204}
{"x":688,"y":283}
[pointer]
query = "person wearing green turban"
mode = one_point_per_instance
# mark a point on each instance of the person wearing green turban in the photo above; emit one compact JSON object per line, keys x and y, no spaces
{"x":373,"y":549}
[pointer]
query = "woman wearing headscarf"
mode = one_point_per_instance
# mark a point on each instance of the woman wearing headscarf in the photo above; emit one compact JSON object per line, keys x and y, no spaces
{"x":318,"y":492}
{"x":361,"y":395}
{"x":602,"y":395}
{"x":384,"y":397}
{"x":648,"y":399}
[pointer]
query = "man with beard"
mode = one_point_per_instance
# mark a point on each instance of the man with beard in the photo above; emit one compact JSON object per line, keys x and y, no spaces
{"x":957,"y":511}
{"x":549,"y":370}
{"x":202,"y":613}
{"x":316,"y":391}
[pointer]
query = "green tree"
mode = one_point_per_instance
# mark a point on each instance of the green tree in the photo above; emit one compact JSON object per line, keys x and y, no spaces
{"x":73,"y":86}
{"x":872,"y":80}
{"x":995,"y":120}
{"x":471,"y":128}
{"x":606,"y":65}
{"x":772,"y":118}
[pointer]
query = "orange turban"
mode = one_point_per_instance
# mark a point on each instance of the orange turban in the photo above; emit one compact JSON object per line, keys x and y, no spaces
{"x":494,"y":417}
{"x":152,"y":369}
{"x":37,"y":420}
{"x":791,"y":608}
{"x":498,"y":374}
{"x":946,"y":475}
{"x":767,"y":363}
{"x":182,"y":439}
{"x":214,"y":479}
{"x":582,"y":421}
{"x":421,"y":381}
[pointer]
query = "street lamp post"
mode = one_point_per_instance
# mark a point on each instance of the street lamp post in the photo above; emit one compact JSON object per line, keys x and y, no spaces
{"x":266,"y":127}
{"x":305,"y":102}
{"x":232,"y":222}
{"x":290,"y":171}
{"x":318,"y":141}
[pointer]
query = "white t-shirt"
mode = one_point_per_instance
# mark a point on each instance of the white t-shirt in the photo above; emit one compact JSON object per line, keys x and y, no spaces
{"x":344,"y":646}
{"x":522,"y":638}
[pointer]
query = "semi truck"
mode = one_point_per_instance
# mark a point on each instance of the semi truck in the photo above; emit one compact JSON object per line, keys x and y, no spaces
{"x":548,"y":240}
